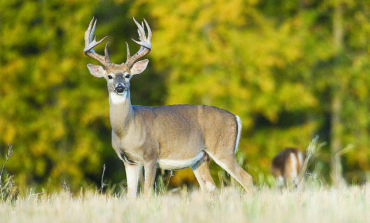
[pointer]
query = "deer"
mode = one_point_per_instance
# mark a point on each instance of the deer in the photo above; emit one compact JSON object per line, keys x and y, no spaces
{"x":286,"y":166}
{"x":169,"y":137}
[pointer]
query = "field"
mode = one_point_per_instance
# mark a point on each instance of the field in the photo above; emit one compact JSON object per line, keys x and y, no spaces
{"x":229,"y":204}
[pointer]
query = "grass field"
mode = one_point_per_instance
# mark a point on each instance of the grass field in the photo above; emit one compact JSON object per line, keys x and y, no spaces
{"x":310,"y":204}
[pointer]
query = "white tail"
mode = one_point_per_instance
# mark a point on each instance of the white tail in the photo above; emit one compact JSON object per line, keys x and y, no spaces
{"x":239,"y":124}
{"x":286,"y":165}
{"x":171,"y":137}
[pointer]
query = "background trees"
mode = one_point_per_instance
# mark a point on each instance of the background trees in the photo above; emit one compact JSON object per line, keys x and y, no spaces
{"x":290,"y":70}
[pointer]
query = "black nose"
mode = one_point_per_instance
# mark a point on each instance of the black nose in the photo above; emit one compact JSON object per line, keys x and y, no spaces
{"x":120,"y":88}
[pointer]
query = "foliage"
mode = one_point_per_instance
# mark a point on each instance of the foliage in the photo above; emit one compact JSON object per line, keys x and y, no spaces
{"x":272,"y":63}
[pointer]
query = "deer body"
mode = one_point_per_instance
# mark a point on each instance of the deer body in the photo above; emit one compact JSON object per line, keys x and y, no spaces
{"x":170,"y":137}
{"x":286,"y":165}
{"x":170,"y":133}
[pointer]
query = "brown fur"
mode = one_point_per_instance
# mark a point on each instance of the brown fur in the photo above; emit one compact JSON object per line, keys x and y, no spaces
{"x":178,"y":132}
{"x":174,"y":136}
{"x":282,"y":165}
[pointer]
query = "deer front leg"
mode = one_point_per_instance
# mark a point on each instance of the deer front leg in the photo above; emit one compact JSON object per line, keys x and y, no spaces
{"x":132,"y":177}
{"x":150,"y":171}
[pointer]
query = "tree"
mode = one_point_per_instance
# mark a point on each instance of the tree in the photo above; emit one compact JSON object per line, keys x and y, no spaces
{"x":273,"y":63}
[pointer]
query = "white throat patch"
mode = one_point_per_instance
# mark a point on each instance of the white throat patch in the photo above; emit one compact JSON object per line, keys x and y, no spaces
{"x":118,"y":98}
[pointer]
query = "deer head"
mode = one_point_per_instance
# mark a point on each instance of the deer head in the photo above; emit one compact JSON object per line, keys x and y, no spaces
{"x":118,"y":76}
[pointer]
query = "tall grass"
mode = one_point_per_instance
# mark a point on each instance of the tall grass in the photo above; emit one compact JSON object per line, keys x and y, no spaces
{"x":313,"y":204}
{"x":312,"y":201}
{"x":8,"y":190}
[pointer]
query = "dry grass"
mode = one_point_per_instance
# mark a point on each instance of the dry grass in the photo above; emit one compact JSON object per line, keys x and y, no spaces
{"x":312,"y":204}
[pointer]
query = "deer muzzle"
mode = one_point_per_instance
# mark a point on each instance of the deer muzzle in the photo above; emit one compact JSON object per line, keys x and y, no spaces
{"x":120,"y":84}
{"x":120,"y":88}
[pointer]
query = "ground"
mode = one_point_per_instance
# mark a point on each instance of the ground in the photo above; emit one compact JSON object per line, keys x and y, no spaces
{"x":229,"y":204}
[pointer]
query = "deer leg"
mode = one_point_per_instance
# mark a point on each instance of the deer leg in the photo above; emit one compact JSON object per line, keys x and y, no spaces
{"x":280,"y":182}
{"x":291,"y":170}
{"x":150,"y":171}
{"x":232,"y":167}
{"x":203,"y":176}
{"x":132,"y":177}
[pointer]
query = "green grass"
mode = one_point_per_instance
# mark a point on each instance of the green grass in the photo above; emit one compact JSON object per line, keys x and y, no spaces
{"x":310,"y":204}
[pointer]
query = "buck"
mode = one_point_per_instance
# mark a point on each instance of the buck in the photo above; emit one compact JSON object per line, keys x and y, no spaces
{"x":285,"y":166}
{"x":169,"y":137}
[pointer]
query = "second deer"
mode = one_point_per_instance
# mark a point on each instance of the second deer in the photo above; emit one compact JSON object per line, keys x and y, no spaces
{"x":286,"y":166}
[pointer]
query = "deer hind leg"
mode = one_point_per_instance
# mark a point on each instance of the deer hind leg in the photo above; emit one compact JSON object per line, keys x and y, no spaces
{"x":203,"y":176}
{"x":291,"y":171}
{"x":232,"y":167}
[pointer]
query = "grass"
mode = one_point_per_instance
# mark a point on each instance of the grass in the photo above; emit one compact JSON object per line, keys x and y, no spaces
{"x":8,"y":190}
{"x":309,"y":204}
{"x":312,"y":201}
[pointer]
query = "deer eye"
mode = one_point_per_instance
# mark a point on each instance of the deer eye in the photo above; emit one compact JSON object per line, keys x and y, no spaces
{"x":110,"y":76}
{"x":127,"y":75}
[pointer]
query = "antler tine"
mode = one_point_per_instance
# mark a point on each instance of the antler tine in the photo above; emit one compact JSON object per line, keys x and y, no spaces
{"x":93,"y":30}
{"x":128,"y":52}
{"x":106,"y":54}
{"x":88,"y":33}
{"x":91,"y":42}
{"x":140,"y":29}
{"x":149,"y":30}
{"x":144,"y":42}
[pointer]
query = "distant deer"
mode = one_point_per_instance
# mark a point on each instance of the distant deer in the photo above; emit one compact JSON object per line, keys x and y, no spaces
{"x":286,"y":166}
{"x":170,"y":137}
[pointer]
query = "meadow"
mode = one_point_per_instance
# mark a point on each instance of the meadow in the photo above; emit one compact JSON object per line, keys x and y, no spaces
{"x":228,"y":204}
{"x":289,"y":69}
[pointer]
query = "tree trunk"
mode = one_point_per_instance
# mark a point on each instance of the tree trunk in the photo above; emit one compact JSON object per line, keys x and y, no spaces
{"x":337,"y":95}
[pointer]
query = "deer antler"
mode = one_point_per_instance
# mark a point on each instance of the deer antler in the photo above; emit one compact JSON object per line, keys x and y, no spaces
{"x":144,"y":42}
{"x":90,"y":43}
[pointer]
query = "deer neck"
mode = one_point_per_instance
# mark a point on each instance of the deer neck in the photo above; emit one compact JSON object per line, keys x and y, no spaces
{"x":121,"y":112}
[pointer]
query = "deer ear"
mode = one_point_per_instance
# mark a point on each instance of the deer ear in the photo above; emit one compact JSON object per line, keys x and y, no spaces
{"x":139,"y":67}
{"x":96,"y":70}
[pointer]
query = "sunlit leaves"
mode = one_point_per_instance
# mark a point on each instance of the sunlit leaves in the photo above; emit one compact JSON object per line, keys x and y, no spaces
{"x":271,"y":63}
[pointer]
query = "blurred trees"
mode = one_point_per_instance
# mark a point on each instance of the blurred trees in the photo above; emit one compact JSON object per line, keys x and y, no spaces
{"x":276,"y":64}
{"x":280,"y":65}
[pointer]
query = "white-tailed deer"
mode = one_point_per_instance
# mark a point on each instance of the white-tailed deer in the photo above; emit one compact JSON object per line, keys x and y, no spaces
{"x":285,"y":166}
{"x":171,"y":137}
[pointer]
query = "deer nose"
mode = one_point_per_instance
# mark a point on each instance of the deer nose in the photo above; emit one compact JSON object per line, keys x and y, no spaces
{"x":120,"y":88}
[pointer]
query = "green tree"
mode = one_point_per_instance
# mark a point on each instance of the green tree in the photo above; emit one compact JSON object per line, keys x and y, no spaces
{"x":277,"y":64}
